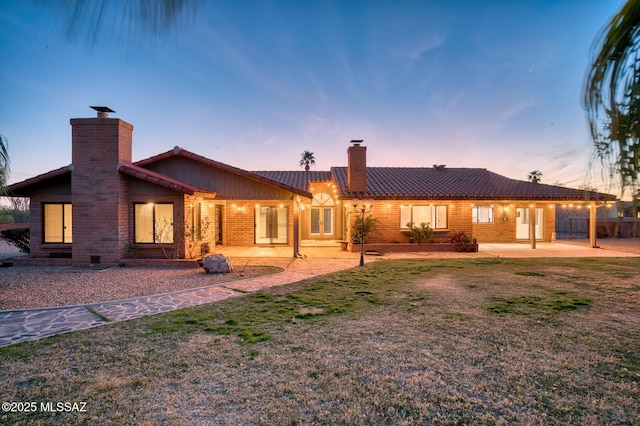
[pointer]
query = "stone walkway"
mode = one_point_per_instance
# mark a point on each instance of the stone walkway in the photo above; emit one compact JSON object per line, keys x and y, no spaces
{"x":22,"y":325}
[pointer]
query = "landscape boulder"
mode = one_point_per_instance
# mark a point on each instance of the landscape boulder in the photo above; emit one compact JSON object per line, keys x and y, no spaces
{"x":216,"y":264}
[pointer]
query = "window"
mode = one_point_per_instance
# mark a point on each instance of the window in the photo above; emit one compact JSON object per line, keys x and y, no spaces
{"x":153,"y":223}
{"x":271,"y":225}
{"x":482,"y":214}
{"x":57,"y":223}
{"x":435,"y":216}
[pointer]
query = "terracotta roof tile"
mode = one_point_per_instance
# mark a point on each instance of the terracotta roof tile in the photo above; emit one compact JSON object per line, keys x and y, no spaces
{"x":296,"y":178}
{"x":454,"y":183}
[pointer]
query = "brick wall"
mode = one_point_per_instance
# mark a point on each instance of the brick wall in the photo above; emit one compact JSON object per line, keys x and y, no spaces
{"x":99,"y":191}
{"x":240,"y":221}
{"x":459,"y":219}
{"x":38,"y":248}
{"x":156,"y":251}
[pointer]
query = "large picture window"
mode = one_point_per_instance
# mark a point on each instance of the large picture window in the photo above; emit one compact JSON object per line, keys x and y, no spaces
{"x":482,"y":214}
{"x":271,"y":225}
{"x":153,"y":223}
{"x":57,"y":223}
{"x":435,"y":216}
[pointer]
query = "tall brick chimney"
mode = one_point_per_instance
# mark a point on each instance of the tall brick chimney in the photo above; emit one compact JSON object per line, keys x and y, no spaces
{"x":357,"y":167}
{"x":98,"y":191}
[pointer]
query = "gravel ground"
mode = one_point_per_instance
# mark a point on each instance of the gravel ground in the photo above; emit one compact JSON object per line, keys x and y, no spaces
{"x":29,"y":287}
{"x":37,"y":287}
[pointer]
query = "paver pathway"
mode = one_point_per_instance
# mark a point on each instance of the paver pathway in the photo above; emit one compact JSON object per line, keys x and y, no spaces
{"x":23,"y":325}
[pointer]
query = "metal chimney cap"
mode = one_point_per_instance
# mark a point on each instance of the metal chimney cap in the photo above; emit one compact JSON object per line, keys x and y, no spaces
{"x":103,"y":111}
{"x":357,"y":142}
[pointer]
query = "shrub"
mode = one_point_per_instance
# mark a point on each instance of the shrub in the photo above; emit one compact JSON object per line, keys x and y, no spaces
{"x":419,"y":233}
{"x":368,"y":226}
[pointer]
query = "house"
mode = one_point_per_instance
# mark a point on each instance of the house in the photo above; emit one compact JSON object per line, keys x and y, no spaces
{"x":104,"y":207}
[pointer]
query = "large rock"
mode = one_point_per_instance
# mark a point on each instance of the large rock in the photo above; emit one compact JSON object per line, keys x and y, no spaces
{"x":216,"y":264}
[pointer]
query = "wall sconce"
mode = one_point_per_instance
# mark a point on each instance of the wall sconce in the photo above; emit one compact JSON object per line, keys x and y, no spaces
{"x":239,"y":209}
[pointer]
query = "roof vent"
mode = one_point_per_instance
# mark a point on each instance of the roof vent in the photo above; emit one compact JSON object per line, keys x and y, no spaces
{"x":103,"y":111}
{"x":439,"y":166}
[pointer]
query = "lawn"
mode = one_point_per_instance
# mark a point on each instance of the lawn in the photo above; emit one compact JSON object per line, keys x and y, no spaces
{"x":450,"y":341}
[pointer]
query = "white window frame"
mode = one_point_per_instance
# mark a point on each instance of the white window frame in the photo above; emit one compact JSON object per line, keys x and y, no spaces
{"x":482,"y":214}
{"x":435,"y":215}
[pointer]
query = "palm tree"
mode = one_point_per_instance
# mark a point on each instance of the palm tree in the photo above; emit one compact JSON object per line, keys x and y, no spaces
{"x":4,"y":164}
{"x":534,"y":176}
{"x":307,"y":160}
{"x":128,"y":21}
{"x":612,"y":96}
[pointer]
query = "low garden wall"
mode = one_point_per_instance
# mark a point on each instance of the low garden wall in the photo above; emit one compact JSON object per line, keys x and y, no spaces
{"x":411,"y":247}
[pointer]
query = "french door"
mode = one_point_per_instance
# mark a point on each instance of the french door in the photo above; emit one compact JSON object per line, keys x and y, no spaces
{"x":322,"y":216}
{"x":522,"y":223}
{"x":322,"y":221}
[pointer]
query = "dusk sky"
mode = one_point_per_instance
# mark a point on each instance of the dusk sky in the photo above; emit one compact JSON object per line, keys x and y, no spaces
{"x":494,"y":84}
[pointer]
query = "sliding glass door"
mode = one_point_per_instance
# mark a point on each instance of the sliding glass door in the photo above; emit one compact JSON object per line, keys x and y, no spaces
{"x":271,"y":225}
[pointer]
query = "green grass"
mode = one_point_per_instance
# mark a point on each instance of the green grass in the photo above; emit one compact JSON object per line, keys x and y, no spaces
{"x":460,"y":341}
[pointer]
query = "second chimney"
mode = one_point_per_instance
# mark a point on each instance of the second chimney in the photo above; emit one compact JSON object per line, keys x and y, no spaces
{"x":357,"y":167}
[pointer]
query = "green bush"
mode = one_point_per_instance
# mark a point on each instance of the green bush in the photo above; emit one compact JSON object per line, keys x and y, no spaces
{"x":419,"y":233}
{"x":370,"y":224}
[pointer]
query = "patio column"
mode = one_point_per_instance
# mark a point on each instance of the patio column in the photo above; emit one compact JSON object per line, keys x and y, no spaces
{"x":593,"y":225}
{"x":296,"y":233}
{"x":532,"y":225}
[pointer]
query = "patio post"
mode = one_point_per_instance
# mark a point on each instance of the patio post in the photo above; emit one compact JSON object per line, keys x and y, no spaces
{"x":593,"y":226}
{"x":532,"y":225}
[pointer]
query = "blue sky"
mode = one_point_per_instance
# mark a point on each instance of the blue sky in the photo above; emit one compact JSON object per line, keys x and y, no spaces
{"x":495,"y":84}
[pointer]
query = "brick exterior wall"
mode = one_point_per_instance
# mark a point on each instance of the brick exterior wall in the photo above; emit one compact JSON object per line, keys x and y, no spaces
{"x":156,"y":251}
{"x":459,"y":218}
{"x":99,"y":191}
{"x":503,"y":228}
{"x":239,"y":227}
{"x":38,"y":248}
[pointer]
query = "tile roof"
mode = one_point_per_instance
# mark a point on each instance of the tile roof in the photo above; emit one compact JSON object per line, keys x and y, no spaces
{"x":178,"y":151}
{"x":160,"y":179}
{"x":398,"y":183}
{"x":297,"y":178}
{"x":454,"y":183}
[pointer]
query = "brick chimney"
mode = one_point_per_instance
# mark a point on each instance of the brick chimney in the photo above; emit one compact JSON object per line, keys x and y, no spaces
{"x":98,"y":191}
{"x":357,"y":167}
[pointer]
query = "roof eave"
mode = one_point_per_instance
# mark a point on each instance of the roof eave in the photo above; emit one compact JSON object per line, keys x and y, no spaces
{"x":178,"y":151}
{"x":19,"y":188}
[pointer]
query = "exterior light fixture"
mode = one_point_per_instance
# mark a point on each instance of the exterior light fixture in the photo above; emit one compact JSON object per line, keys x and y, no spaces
{"x":362,"y":207}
